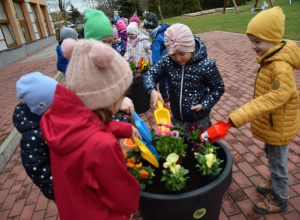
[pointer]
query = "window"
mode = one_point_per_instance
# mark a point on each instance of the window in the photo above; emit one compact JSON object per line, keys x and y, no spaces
{"x":5,"y":27}
{"x":36,"y":20}
{"x":22,"y":21}
{"x":45,"y":21}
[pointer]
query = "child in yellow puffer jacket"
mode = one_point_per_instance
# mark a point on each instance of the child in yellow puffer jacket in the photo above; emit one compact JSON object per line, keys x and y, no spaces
{"x":274,"y":111}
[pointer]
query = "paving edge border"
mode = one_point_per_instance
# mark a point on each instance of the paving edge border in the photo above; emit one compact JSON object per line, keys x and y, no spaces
{"x":12,"y":141}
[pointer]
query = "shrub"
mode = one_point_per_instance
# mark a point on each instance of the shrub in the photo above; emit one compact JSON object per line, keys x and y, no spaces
{"x":179,"y":7}
{"x":210,"y":4}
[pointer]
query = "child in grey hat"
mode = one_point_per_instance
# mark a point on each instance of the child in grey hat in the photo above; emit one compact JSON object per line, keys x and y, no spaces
{"x":62,"y":62}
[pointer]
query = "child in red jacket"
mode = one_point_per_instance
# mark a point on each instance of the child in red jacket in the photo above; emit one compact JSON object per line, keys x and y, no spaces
{"x":89,"y":172}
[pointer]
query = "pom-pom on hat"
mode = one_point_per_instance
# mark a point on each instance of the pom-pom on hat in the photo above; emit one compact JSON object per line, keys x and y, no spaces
{"x":121,"y":25}
{"x":135,"y":19}
{"x":268,"y":25}
{"x":150,"y":21}
{"x":68,"y":33}
{"x":37,"y":90}
{"x":132,"y":28}
{"x":179,"y":37}
{"x":116,"y":35}
{"x":97,"y":73}
{"x":97,"y":25}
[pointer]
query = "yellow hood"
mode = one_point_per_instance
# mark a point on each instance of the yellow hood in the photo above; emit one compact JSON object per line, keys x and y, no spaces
{"x":289,"y":51}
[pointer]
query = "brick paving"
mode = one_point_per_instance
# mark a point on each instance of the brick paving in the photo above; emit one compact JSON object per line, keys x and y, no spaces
{"x":21,"y":199}
{"x":43,"y":60}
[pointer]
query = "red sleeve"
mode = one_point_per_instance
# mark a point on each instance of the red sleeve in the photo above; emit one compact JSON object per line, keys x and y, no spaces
{"x":115,"y":187}
{"x":121,"y":129}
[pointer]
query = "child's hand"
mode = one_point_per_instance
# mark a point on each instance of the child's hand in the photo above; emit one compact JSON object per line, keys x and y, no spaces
{"x":154,"y":98}
{"x":134,"y":134}
{"x":127,"y":106}
{"x":197,"y":107}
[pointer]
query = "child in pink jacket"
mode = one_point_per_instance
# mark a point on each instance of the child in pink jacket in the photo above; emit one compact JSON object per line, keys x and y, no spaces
{"x":122,"y":31}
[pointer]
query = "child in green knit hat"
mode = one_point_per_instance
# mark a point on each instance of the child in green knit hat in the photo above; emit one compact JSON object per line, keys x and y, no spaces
{"x":98,"y":27}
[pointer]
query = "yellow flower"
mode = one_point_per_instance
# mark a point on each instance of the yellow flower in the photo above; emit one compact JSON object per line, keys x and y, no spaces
{"x":171,"y":163}
{"x":171,"y":158}
{"x":175,"y":168}
{"x":145,"y":64}
{"x":210,"y":159}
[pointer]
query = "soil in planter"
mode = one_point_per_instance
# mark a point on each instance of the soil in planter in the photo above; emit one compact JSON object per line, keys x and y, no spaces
{"x":195,"y":180}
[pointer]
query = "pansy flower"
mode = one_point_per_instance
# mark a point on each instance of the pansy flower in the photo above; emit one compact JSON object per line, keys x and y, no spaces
{"x":138,"y":166}
{"x":210,"y":159}
{"x":144,"y":174}
{"x":130,"y":162}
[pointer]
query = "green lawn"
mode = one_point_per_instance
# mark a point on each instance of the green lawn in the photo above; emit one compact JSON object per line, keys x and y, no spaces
{"x":237,"y":23}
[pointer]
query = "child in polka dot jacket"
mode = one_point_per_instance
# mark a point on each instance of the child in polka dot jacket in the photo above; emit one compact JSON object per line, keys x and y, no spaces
{"x":195,"y":84}
{"x":37,"y":92}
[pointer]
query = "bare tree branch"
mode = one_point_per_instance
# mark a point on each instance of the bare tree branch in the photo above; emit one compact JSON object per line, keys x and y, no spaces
{"x":61,"y":4}
{"x":90,"y":3}
{"x":107,"y":6}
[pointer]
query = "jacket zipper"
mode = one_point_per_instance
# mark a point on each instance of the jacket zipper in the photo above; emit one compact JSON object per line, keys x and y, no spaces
{"x":267,"y":57}
{"x":271,"y":120}
{"x":181,"y":88}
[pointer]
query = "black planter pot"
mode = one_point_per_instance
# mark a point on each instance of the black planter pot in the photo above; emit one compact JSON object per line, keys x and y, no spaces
{"x":138,"y":96}
{"x":202,"y":203}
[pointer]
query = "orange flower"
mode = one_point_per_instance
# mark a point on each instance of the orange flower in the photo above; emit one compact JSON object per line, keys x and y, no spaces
{"x":138,"y":166}
{"x":137,"y":149}
{"x":144,"y":174}
{"x":124,"y":154}
{"x":130,"y":162}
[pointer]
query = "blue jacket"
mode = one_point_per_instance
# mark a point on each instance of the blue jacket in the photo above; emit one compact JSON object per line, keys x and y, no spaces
{"x":34,"y":150}
{"x":62,"y":62}
{"x":119,"y":46}
{"x":158,"y":42}
{"x":197,"y":82}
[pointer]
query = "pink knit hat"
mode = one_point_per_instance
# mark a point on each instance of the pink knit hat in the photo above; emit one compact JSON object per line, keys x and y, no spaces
{"x":179,"y":37}
{"x":121,"y":25}
{"x":136,"y":19}
{"x":116,"y":35}
{"x":96,"y":72}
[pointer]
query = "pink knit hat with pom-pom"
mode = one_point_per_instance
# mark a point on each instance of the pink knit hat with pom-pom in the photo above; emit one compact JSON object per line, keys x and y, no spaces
{"x":135,"y":19}
{"x":96,"y":72}
{"x":121,"y":25}
{"x":179,"y":37}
